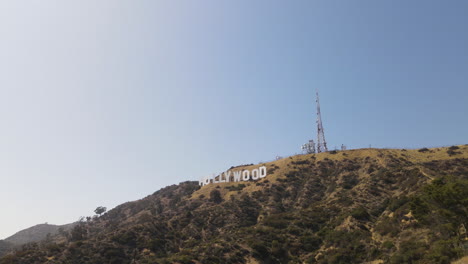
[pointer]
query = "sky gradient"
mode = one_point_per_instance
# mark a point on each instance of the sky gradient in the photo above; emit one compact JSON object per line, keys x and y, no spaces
{"x":103,"y":102}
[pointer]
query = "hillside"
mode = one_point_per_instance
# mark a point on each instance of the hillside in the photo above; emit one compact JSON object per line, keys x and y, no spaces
{"x":32,"y":234}
{"x":355,"y":206}
{"x":36,"y":233}
{"x":5,"y":247}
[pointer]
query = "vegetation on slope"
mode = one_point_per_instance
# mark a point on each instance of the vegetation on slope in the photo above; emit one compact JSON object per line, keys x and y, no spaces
{"x":36,"y":233}
{"x":392,"y":206}
{"x":5,"y":247}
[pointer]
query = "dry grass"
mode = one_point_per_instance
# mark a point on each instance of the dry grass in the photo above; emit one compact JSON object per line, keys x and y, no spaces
{"x":461,"y":261}
{"x":383,"y":156}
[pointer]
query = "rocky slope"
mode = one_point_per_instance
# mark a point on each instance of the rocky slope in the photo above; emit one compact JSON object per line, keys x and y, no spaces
{"x":356,"y":206}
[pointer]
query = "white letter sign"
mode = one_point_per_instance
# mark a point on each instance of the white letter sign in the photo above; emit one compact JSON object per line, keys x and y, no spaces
{"x":238,"y":176}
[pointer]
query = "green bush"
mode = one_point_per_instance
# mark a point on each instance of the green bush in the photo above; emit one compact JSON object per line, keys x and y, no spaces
{"x":238,"y":187}
{"x":260,"y":251}
{"x":360,"y":213}
{"x":127,"y":238}
{"x":349,"y":181}
{"x":215,"y":196}
{"x":275,"y":222}
{"x":310,"y":243}
{"x":388,"y":226}
{"x":397,"y":202}
{"x":410,"y":252}
{"x":451,"y":152}
{"x":388,"y":245}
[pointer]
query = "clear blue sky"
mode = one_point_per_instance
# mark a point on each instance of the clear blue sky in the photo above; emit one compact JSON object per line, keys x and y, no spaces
{"x":103,"y":102}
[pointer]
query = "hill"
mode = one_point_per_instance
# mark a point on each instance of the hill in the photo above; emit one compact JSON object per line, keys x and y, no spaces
{"x":33,"y":234}
{"x":5,"y":247}
{"x":355,"y":206}
{"x":36,"y":233}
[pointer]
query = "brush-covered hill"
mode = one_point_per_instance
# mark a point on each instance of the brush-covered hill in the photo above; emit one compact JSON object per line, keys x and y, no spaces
{"x":36,"y":233}
{"x":32,"y":234}
{"x":5,"y":247}
{"x":355,"y":206}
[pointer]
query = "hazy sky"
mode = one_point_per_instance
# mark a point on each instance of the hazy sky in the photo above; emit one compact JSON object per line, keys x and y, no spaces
{"x":103,"y":102}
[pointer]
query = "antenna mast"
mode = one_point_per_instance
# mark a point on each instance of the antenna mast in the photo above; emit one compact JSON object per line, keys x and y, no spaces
{"x":321,"y":143}
{"x":309,"y":148}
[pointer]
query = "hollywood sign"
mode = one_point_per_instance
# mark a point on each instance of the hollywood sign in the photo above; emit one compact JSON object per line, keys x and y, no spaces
{"x":235,"y":176}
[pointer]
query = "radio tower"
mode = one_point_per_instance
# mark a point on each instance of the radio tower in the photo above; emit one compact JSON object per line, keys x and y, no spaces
{"x":321,"y":143}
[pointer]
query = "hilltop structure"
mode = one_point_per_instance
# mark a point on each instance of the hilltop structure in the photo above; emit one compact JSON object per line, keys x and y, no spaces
{"x":321,"y":142}
{"x":321,"y":146}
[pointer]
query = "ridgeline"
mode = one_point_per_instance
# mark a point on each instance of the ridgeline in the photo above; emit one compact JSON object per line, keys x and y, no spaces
{"x":354,"y":206}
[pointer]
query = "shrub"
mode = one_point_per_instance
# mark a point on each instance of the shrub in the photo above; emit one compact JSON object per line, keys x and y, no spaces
{"x":442,"y":251}
{"x":301,"y":162}
{"x":420,"y":209}
{"x":360,"y":213}
{"x":388,"y":245}
{"x":350,"y":181}
{"x":310,"y":243}
{"x":260,"y":251}
{"x":238,"y":187}
{"x":410,"y":252}
{"x":156,"y":245}
{"x":215,"y":196}
{"x":276,"y":222}
{"x":452,"y":152}
{"x":279,"y":252}
{"x":128,"y":238}
{"x":396,"y":203}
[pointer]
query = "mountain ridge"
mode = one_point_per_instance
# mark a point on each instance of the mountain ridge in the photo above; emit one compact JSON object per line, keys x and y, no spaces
{"x":354,"y":206}
{"x":36,"y":233}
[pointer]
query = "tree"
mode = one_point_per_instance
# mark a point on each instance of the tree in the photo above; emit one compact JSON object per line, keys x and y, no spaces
{"x":100,"y":210}
{"x":78,"y":232}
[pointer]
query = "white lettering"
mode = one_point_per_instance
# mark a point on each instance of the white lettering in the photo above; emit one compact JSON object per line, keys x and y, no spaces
{"x":255,"y":174}
{"x":245,"y":175}
{"x":227,"y":175}
{"x":207,"y":180}
{"x":238,"y":176}
{"x":263,"y":172}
